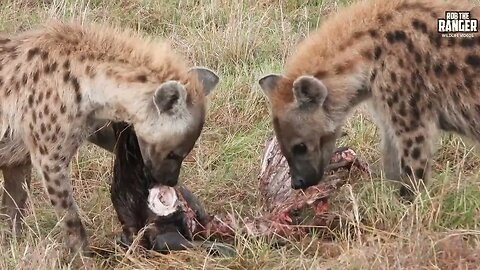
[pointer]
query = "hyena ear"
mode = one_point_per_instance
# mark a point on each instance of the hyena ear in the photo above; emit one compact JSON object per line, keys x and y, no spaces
{"x":309,"y":91}
{"x":268,"y":83}
{"x":207,"y":77}
{"x":169,"y":96}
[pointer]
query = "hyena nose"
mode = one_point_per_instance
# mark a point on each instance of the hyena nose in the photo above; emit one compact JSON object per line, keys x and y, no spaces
{"x":298,"y":183}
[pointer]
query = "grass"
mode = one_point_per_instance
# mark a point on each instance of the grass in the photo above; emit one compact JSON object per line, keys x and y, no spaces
{"x":243,"y":40}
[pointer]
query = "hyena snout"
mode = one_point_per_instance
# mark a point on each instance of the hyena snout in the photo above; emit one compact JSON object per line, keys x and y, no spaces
{"x":166,"y":174}
{"x":305,"y":176}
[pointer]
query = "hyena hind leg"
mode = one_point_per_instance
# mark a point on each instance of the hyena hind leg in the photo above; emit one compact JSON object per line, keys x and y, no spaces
{"x":15,"y":195}
{"x":415,"y":161}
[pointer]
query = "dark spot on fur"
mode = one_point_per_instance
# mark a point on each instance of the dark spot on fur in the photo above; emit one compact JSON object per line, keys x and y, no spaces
{"x":468,"y":83}
{"x":32,"y":52}
{"x":35,"y":76}
{"x":419,"y":25}
{"x":42,"y":152}
{"x":44,"y":55}
{"x":456,"y":96}
{"x":402,"y":111}
{"x":46,"y":110}
{"x":24,"y":79}
{"x":465,"y":114}
{"x":390,"y":37}
{"x":407,"y":170}
{"x":451,"y":41}
{"x":357,"y":35}
{"x":436,"y":39}
{"x":419,"y":173}
{"x":416,"y":153}
{"x":373,"y":33}
{"x":72,"y":223}
{"x":373,"y":75}
{"x":56,"y":169}
{"x":377,"y":52}
{"x":366,"y":54}
{"x":473,"y":60}
{"x":64,"y":204}
{"x":419,"y":139}
{"x":53,"y":118}
{"x":76,"y":85}
{"x":437,"y":68}
{"x":320,"y":74}
{"x":393,"y":77}
{"x":89,"y":71}
{"x":30,"y":100}
{"x":415,"y":112}
{"x":45,"y":174}
{"x":396,"y":36}
{"x":390,"y":102}
{"x":418,"y":58}
{"x":141,"y":78}
{"x":339,"y":69}
{"x":51,"y":190}
{"x":43,"y":128}
{"x":78,"y":97}
{"x":467,"y":42}
{"x":63,"y":109}
{"x":452,"y":68}
{"x":66,"y":64}
{"x":66,"y":76}
{"x":394,"y":119}
{"x":409,"y":143}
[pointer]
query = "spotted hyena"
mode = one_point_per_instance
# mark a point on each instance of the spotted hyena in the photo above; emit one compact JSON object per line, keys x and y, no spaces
{"x":59,"y":82}
{"x":389,"y":54}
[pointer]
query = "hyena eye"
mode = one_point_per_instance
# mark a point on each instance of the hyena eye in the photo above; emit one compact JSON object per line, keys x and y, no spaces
{"x":299,"y":149}
{"x":172,"y":155}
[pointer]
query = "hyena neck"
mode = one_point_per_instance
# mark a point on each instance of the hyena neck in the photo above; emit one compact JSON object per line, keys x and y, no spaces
{"x":119,"y":100}
{"x":347,"y":91}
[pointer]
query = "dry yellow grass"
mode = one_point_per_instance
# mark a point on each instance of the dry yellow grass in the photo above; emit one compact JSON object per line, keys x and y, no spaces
{"x":242,"y":40}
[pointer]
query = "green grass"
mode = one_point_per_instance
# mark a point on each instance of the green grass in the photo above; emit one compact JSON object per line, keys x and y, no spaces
{"x":243,"y":40}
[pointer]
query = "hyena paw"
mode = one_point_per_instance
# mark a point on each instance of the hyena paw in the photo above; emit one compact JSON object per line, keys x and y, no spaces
{"x":407,"y":195}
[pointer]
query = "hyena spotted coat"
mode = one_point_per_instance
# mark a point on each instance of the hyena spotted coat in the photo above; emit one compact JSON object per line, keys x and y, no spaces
{"x":389,"y":54}
{"x":60,"y":81}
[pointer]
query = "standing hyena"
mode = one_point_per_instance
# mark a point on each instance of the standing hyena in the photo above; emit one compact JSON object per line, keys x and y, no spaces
{"x":58,"y":82}
{"x":390,"y":54}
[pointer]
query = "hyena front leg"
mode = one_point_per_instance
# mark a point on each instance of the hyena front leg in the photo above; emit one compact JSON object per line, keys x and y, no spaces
{"x":15,"y":195}
{"x":390,"y":157}
{"x":54,"y":165}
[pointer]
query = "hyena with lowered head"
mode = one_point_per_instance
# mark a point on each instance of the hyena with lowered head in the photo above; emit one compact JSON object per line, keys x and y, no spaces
{"x":59,"y":81}
{"x":389,"y":54}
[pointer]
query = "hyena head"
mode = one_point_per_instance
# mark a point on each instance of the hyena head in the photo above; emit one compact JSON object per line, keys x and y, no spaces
{"x":173,"y":124}
{"x":302,"y":125}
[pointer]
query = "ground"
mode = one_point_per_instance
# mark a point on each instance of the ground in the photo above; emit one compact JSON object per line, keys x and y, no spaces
{"x":243,"y":40}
